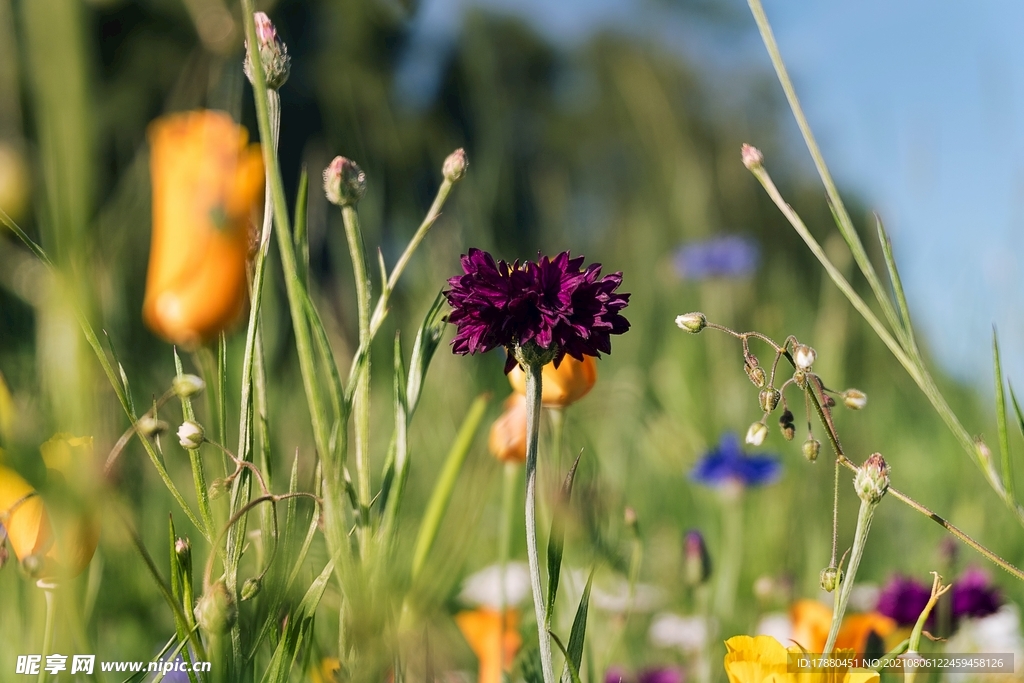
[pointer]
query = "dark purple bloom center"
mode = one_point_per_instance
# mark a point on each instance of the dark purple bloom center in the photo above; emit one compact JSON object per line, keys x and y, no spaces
{"x":551,"y":304}
{"x":972,"y":596}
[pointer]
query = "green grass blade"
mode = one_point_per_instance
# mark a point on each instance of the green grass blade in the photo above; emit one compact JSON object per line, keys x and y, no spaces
{"x":301,"y":236}
{"x":556,"y":539}
{"x":1017,"y":410}
{"x":578,"y":633}
{"x":897,"y":284}
{"x":442,"y":493}
{"x":1004,"y":439}
{"x":573,"y":671}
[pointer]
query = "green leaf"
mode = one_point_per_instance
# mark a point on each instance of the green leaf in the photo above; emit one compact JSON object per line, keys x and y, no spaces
{"x":442,"y":493}
{"x":1017,"y":411}
{"x":301,"y":237}
{"x":897,"y":283}
{"x":573,"y":671}
{"x":556,"y":539}
{"x":428,"y":337}
{"x":578,"y":634}
{"x":1004,"y":439}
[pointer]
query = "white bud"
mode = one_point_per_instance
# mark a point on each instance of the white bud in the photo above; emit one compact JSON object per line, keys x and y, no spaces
{"x":190,"y":434}
{"x":855,"y":399}
{"x":187,"y":386}
{"x":756,"y":434}
{"x":692,"y":322}
{"x":804,"y":356}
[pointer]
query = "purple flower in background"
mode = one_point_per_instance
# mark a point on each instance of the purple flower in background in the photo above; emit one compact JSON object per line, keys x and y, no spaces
{"x":551,"y":303}
{"x":731,"y":256}
{"x":661,"y":675}
{"x":617,"y":674}
{"x":727,"y":464}
{"x":903,"y":599}
{"x":973,"y":596}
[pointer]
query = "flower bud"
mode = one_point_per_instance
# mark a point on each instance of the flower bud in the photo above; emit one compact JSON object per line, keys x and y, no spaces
{"x":187,"y":386}
{"x":768,"y":399}
{"x":696,"y":560}
{"x":344,"y":182}
{"x":183,"y":551}
{"x":754,"y":371}
{"x":251,"y":588}
{"x":831,"y":577}
{"x":272,"y":52}
{"x":507,"y":441}
{"x":757,"y":433}
{"x":800,"y":379}
{"x":191,"y":434}
{"x":692,"y":322}
{"x":786,"y":425}
{"x":811,"y":448}
{"x":872,"y":480}
{"x":751,"y":156}
{"x":216,"y":611}
{"x":803,"y":357}
{"x":150,"y":426}
{"x":455,"y":166}
{"x":561,"y":386}
{"x":855,"y":399}
{"x":217,"y":489}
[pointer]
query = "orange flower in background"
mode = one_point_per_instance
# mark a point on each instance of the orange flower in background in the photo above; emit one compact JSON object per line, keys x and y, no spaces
{"x":56,"y":540}
{"x":812,"y":620}
{"x":207,"y":182}
{"x":561,"y":386}
{"x":507,"y":441}
{"x":482,"y":629}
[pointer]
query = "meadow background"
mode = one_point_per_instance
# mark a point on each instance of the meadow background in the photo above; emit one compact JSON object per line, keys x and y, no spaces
{"x":610,"y":143}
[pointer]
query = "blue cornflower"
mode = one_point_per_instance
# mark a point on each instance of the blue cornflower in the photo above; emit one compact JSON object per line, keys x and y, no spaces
{"x":731,"y":256}
{"x":727,"y":464}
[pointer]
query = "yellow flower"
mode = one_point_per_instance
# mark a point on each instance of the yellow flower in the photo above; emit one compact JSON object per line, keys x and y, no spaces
{"x":507,"y":440}
{"x":764,"y":660}
{"x":207,"y":181}
{"x":561,"y":386}
{"x":482,"y":629}
{"x":56,"y":541}
{"x":327,"y":672}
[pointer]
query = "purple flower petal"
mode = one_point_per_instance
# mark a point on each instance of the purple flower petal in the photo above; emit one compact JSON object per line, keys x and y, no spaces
{"x":550,"y":303}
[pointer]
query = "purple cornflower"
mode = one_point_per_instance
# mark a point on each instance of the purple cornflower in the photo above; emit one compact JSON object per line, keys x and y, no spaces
{"x":667,"y":674}
{"x":973,"y":596}
{"x":727,"y":464}
{"x":551,"y":304}
{"x":731,"y":256}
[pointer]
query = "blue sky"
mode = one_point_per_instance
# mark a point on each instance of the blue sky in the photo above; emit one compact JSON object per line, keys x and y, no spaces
{"x":918,"y":107}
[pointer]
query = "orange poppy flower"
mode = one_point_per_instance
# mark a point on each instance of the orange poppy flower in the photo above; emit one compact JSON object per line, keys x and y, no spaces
{"x":812,"y":620}
{"x":507,"y":441}
{"x":561,"y":386}
{"x":44,"y":549}
{"x":207,"y":182}
{"x":482,"y":629}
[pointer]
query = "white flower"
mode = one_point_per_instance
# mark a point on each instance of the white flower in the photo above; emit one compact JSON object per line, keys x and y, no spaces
{"x":996,"y":633}
{"x":778,"y":625}
{"x":756,"y":434}
{"x":688,"y":634}
{"x":484,"y":587}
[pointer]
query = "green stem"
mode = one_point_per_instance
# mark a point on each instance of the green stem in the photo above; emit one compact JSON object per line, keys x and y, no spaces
{"x":361,"y":403}
{"x":864,"y":517}
{"x":533,"y":407}
{"x":732,"y":553}
{"x":49,"y":589}
{"x":843,"y":221}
